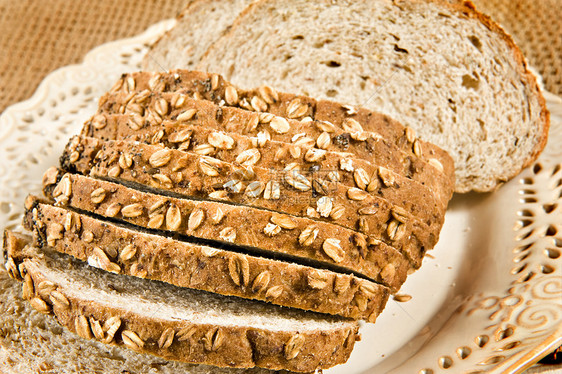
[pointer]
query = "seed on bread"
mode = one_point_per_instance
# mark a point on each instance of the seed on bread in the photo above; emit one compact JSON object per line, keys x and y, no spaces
{"x":337,"y":212}
{"x":272,"y":190}
{"x":228,"y":234}
{"x":59,"y":300}
{"x":163,"y":180}
{"x":97,"y":329}
{"x":314,"y":155}
{"x":209,"y":166}
{"x":361,"y":178}
{"x":274,"y":292}
{"x":88,"y":236}
{"x":417,"y":148}
{"x":296,"y":109}
{"x":12,"y":269}
{"x":268,"y":94}
{"x":280,"y":125}
{"x":294,"y":346}
{"x":317,"y":280}
{"x":99,"y":122}
{"x":128,"y":252}
{"x":132,"y":210}
{"x":98,"y":195}
{"x":239,"y":269}
{"x":173,"y":218}
{"x":213,"y":339}
{"x":204,"y":149}
{"x":186,"y":115}
{"x":436,"y":164}
{"x":248,"y":157}
{"x":323,"y":141}
{"x":185,"y":333}
{"x":258,"y":104}
{"x":27,"y":288}
{"x":254,"y":189}
{"x":332,"y":248}
{"x":82,"y":326}
{"x":324,"y":206}
{"x":388,"y":178}
{"x":160,"y":158}
{"x":220,"y":140}
{"x":308,"y":235}
{"x":357,"y":194}
{"x":231,"y":95}
{"x":283,"y":221}
{"x":261,"y":281}
{"x":271,"y":229}
{"x":110,"y":327}
{"x":132,"y":340}
{"x":167,"y":338}
{"x":341,"y":284}
{"x":44,"y":288}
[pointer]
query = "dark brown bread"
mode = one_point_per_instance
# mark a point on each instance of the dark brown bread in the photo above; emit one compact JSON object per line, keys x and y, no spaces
{"x":203,"y":177}
{"x":167,"y":321}
{"x":256,"y":230}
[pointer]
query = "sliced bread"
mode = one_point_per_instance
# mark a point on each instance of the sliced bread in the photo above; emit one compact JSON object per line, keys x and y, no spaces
{"x":289,"y":191}
{"x":257,"y":231}
{"x":356,"y":122}
{"x":176,"y":323}
{"x":202,"y":22}
{"x":208,"y":266}
{"x":25,"y":331}
{"x":440,"y":67}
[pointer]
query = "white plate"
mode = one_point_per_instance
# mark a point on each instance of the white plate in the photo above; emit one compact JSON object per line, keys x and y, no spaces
{"x":487,"y":299}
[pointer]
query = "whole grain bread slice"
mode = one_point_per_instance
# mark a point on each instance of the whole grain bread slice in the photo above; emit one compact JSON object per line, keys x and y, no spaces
{"x":262,"y":232}
{"x":25,"y":331}
{"x":440,"y":67}
{"x":177,"y":323}
{"x":207,"y":139}
{"x":146,"y":109}
{"x":213,"y":87}
{"x":203,"y":177}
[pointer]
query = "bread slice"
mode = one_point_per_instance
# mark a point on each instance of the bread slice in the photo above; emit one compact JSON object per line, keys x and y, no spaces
{"x":188,"y":174}
{"x":261,"y":232}
{"x":202,"y":22}
{"x":140,"y":86}
{"x":215,"y":268}
{"x":180,"y":324}
{"x":440,"y":67}
{"x":25,"y":333}
{"x":240,"y":124}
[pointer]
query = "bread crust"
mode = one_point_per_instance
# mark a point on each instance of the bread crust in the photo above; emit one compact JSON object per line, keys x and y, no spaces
{"x":356,"y":209}
{"x":183,"y":340}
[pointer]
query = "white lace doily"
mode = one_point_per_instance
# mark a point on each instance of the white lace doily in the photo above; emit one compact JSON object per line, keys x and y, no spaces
{"x":488,"y":298}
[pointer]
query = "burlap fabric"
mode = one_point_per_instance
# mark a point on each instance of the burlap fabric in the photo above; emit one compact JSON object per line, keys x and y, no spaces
{"x":39,"y":36}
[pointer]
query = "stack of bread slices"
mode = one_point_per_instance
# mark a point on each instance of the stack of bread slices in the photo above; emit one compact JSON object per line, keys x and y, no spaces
{"x":202,"y":223}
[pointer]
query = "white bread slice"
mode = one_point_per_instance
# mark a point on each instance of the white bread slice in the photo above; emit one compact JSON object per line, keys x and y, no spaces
{"x":199,"y":25}
{"x":178,"y":324}
{"x":442,"y":68}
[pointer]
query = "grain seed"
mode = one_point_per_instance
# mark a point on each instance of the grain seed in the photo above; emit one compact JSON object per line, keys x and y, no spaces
{"x":265,"y":117}
{"x":82,"y":326}
{"x":337,"y":212}
{"x":410,"y":134}
{"x":213,"y":339}
{"x":180,"y":136}
{"x":295,"y":151}
{"x":99,"y":122}
{"x":261,"y":281}
{"x":219,"y":195}
{"x":274,"y":292}
{"x":368,"y":210}
{"x":298,"y":181}
{"x":244,"y":103}
{"x":234,"y":185}
{"x":417,"y":148}
{"x":317,"y":280}
{"x":186,"y":333}
{"x":114,"y":172}
{"x":59,"y":300}
{"x":254,"y":189}
{"x":294,"y":346}
{"x":27,"y":289}
{"x":325,"y":126}
{"x":186,"y":115}
{"x":361,"y":301}
{"x":324,"y":206}
{"x":361,"y":178}
{"x":125,"y":160}
{"x":173,"y":218}
{"x":346,"y":164}
{"x":271,"y":229}
{"x":283,"y":221}
{"x":12,"y":269}
{"x":195,"y":219}
{"x":258,"y":104}
{"x":387,"y":177}
{"x":204,"y":149}
{"x":132,"y":210}
{"x":128,"y":252}
{"x":178,"y":100}
{"x":214,"y":81}
{"x":155,"y":221}
{"x":228,"y":234}
{"x":167,"y":338}
{"x":97,"y":329}
{"x":239,"y":269}
{"x":280,"y":125}
{"x":402,"y":298}
{"x":217,"y":216}
{"x":396,"y":230}
{"x":54,"y":232}
{"x":296,"y":109}
{"x":110,"y":327}
{"x":262,"y":138}
{"x":163,"y":180}
{"x":332,"y":248}
{"x":312,"y":213}
{"x":97,"y":196}
{"x":132,"y":340}
{"x":272,"y":190}
{"x":209,"y":166}
{"x":68,"y":221}
{"x":349,"y":110}
{"x":342,"y":283}
{"x":323,"y":141}
{"x":160,"y":158}
{"x":44,"y":288}
{"x":39,"y":305}
{"x":308,"y":235}
{"x":161,"y":107}
{"x":356,"y":194}
{"x":268,"y":94}
{"x":135,"y":122}
{"x":220,"y":140}
{"x":131,"y":84}
{"x":248,"y":157}
{"x":209,"y":251}
{"x":352,"y":126}
{"x":314,"y":155}
{"x":363,"y":225}
{"x":400,"y":214}
{"x":87,"y":236}
{"x":134,"y":109}
{"x":231,"y":95}
{"x":436,"y":164}
{"x":157,"y":208}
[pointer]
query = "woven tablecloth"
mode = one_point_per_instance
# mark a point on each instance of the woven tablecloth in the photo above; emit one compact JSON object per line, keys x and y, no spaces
{"x":39,"y":36}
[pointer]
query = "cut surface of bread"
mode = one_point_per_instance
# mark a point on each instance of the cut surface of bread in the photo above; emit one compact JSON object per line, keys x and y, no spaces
{"x":220,"y":268}
{"x":442,"y":68}
{"x":25,"y":331}
{"x":180,"y":324}
{"x":200,"y":24}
